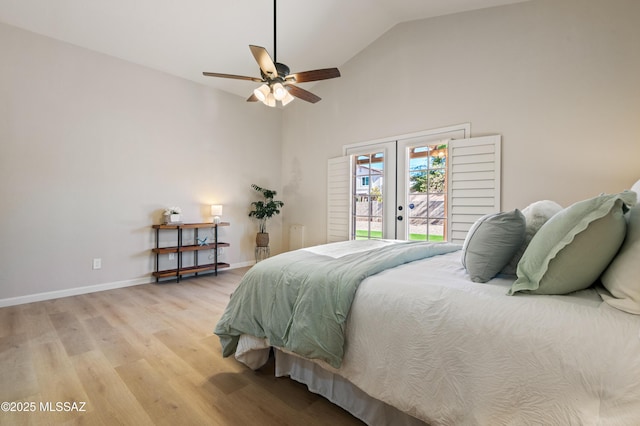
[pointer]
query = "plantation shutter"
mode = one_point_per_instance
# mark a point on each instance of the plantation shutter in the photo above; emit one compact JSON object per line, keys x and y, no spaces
{"x":474,"y":171}
{"x":338,"y":199}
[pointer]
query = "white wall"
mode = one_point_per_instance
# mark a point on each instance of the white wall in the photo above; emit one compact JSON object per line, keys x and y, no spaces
{"x":557,"y":78}
{"x":92,"y":149}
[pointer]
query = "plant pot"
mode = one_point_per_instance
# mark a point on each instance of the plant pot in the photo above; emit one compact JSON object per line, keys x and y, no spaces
{"x":262,"y":239}
{"x":171,"y":218}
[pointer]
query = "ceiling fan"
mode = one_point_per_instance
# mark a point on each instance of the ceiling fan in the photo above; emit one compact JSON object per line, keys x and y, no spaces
{"x":276,"y":77}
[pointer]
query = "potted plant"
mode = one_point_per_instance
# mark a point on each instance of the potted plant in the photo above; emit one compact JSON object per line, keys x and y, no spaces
{"x":263,"y":210}
{"x":172,"y":215}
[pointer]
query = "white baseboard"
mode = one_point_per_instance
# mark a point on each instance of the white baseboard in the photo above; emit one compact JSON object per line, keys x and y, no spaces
{"x":50,"y":295}
{"x":241,"y":265}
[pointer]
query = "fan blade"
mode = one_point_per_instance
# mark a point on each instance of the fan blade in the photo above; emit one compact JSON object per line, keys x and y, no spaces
{"x":302,"y":94}
{"x":252,"y":98}
{"x":264,"y":61}
{"x":315,"y":75}
{"x":237,"y":77}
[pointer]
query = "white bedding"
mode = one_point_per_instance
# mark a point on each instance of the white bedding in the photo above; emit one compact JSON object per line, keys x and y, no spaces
{"x":425,"y":339}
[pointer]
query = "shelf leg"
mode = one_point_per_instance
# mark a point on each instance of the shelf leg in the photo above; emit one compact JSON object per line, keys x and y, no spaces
{"x":195,"y":252}
{"x":179,"y":254}
{"x":157,"y":254}
{"x":215,"y":250}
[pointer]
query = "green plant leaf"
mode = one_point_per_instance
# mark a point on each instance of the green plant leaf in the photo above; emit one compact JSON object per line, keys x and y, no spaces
{"x":263,"y":210}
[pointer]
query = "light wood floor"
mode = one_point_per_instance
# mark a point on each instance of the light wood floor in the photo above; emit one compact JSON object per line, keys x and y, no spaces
{"x":142,"y":355}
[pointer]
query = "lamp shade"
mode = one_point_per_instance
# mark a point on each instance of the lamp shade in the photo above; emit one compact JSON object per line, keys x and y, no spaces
{"x":216,"y":210}
{"x":262,"y":92}
{"x":287,"y":98}
{"x":279,"y":92}
{"x":270,"y":100}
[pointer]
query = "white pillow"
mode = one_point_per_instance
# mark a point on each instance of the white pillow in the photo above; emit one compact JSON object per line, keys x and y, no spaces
{"x":535,"y":215}
{"x":622,"y":277}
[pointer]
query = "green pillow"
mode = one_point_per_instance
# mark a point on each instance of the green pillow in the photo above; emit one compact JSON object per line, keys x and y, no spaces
{"x":571,"y":249}
{"x":491,"y":243}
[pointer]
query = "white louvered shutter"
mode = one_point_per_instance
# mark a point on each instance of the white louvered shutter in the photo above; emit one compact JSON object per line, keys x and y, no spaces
{"x":474,"y":182}
{"x":338,"y":199}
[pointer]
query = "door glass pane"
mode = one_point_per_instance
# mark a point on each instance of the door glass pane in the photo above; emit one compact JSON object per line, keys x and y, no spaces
{"x":427,"y":197}
{"x":368,"y":187}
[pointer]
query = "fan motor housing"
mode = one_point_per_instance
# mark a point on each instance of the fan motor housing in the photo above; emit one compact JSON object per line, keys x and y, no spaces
{"x":282,"y":69}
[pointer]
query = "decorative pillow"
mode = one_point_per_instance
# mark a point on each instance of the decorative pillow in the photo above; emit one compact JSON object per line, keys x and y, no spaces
{"x":622,"y":276}
{"x":490,"y":244}
{"x":572,"y":249}
{"x":535,"y":215}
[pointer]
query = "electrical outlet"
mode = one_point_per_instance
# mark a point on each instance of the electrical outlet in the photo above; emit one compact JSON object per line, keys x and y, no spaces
{"x":97,"y":263}
{"x":172,"y":256}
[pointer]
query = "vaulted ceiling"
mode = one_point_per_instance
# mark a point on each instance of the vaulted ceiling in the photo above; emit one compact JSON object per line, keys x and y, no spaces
{"x":187,"y":37}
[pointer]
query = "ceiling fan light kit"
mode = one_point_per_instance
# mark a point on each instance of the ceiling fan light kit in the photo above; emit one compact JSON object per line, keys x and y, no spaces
{"x":276,"y":78}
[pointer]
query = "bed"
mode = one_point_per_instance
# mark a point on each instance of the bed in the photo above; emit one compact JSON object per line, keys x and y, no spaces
{"x":447,"y":336}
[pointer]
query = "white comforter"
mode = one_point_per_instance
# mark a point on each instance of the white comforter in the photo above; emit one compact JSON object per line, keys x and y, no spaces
{"x":425,"y":339}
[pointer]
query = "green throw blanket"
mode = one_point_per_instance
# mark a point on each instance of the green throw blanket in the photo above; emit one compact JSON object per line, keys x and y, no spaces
{"x":300,"y":300}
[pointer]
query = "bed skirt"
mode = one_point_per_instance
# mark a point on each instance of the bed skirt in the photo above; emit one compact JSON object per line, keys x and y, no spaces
{"x":340,"y":391}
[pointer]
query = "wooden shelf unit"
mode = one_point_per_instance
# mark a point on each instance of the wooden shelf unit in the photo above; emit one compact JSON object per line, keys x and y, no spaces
{"x":196,"y":268}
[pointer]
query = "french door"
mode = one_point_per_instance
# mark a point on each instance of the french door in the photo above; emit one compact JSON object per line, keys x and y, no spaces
{"x":399,"y":188}
{"x":373,"y":188}
{"x":429,"y":186}
{"x":422,"y":189}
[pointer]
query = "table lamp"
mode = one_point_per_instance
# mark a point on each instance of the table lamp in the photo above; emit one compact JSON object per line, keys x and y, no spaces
{"x":216,"y":212}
